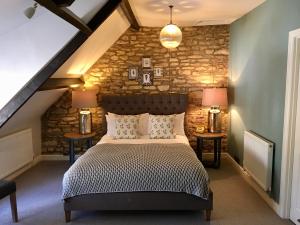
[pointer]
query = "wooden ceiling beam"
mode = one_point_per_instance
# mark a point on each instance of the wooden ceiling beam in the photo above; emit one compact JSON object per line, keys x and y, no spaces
{"x":66,"y":15}
{"x":106,"y":11}
{"x":125,"y":6}
{"x":63,"y":3}
{"x":55,"y":63}
{"x":58,"y":83}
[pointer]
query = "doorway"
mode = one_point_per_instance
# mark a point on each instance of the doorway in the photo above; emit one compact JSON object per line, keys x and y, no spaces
{"x":290,"y":177}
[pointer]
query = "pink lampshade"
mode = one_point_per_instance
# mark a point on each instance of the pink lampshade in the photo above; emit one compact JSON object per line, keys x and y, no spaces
{"x":214,"y":97}
{"x":84,"y":99}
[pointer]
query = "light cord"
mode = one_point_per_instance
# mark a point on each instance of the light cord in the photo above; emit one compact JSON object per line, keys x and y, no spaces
{"x":171,"y":14}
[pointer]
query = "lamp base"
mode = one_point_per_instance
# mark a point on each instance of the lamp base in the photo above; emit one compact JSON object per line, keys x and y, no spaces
{"x":85,"y":122}
{"x":214,"y":120}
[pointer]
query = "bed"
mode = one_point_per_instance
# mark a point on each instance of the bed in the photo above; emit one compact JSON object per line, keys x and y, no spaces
{"x":112,"y":196}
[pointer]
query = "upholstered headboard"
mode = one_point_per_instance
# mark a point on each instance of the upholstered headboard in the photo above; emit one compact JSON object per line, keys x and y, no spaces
{"x":157,"y":104}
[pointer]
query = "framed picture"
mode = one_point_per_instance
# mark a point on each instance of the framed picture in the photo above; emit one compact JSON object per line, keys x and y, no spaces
{"x":133,"y":73}
{"x":146,"y":78}
{"x":158,"y":72}
{"x":146,"y":62}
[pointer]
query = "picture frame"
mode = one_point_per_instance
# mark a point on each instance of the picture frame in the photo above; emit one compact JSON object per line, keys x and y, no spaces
{"x":146,"y":77}
{"x":146,"y":62}
{"x":158,"y":71}
{"x":133,"y":73}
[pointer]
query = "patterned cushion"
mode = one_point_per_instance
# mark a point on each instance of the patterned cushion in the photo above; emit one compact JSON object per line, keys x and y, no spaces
{"x":142,"y":128}
{"x":161,"y":127}
{"x":126,"y":127}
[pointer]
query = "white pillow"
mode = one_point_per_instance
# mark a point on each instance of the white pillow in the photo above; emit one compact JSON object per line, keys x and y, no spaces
{"x":111,"y":125}
{"x":161,"y":126}
{"x":179,"y":124}
{"x":142,"y":127}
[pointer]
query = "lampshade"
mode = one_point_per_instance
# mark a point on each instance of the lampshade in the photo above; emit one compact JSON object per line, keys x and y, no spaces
{"x":84,"y":99}
{"x":170,"y":36}
{"x":214,"y":97}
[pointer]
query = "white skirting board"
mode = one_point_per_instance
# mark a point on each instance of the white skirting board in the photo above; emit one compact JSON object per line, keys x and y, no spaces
{"x":274,"y":205}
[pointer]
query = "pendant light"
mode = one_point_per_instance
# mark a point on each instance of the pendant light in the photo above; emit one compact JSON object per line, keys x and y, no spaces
{"x":170,"y":35}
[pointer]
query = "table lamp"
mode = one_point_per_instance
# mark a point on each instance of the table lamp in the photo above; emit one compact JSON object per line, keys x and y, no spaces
{"x":214,"y":98}
{"x":84,"y":99}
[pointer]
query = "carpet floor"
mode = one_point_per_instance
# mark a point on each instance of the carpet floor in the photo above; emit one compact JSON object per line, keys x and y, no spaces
{"x":39,"y":203}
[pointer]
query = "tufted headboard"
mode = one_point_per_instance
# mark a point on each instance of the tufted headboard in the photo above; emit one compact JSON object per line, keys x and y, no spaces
{"x":157,"y":104}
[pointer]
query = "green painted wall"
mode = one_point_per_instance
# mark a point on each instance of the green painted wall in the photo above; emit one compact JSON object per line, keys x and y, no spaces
{"x":258,"y":63}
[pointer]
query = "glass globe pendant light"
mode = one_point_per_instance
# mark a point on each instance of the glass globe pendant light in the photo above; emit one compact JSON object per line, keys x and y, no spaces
{"x":170,"y":35}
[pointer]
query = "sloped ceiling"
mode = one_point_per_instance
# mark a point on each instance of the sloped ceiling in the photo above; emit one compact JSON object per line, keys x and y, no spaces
{"x":97,"y":44}
{"x":155,"y":13}
{"x":12,"y":16}
{"x":27,"y":45}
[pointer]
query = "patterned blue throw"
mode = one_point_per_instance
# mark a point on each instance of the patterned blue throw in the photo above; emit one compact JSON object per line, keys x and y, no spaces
{"x":109,"y":168}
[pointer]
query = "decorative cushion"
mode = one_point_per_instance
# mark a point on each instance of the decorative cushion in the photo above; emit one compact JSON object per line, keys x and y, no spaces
{"x":7,"y":188}
{"x":142,"y":127}
{"x":161,"y":126}
{"x":126,"y":127}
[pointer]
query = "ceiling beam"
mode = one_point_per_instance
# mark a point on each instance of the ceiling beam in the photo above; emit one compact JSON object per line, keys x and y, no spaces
{"x":55,"y":63}
{"x":63,"y":3}
{"x":125,"y":6}
{"x":106,"y":10}
{"x":66,"y":15}
{"x":58,"y":83}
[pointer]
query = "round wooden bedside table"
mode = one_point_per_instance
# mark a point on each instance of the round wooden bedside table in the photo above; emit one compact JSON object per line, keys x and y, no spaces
{"x":72,"y":137}
{"x":217,"y":138}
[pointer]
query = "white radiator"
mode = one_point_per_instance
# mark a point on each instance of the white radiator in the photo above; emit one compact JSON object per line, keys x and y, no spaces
{"x":15,"y":152}
{"x":258,"y":159}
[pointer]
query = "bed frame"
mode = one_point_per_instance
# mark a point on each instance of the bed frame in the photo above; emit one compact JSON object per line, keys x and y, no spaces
{"x":141,"y":201}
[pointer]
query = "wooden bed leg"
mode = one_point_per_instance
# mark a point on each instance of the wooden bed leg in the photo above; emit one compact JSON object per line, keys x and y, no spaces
{"x":68,"y":216}
{"x":208,"y":214}
{"x":13,"y":206}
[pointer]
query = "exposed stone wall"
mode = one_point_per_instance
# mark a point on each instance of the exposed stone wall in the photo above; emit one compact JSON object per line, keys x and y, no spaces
{"x":199,"y":62}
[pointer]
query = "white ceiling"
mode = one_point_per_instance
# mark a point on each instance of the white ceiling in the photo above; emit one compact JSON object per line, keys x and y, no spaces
{"x":155,"y":13}
{"x":96,"y":45}
{"x":12,"y":12}
{"x":148,"y":12}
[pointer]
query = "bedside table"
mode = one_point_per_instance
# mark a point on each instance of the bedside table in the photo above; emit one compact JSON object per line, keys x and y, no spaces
{"x":72,"y":137}
{"x":217,"y":139}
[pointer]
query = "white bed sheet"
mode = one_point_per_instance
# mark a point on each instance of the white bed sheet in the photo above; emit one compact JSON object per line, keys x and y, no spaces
{"x":106,"y":139}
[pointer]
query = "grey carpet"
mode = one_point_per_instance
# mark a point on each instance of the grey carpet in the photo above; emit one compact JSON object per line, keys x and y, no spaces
{"x":39,"y":203}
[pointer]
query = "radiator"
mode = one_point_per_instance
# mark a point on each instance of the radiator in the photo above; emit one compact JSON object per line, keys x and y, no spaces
{"x":15,"y":152}
{"x":258,"y":159}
